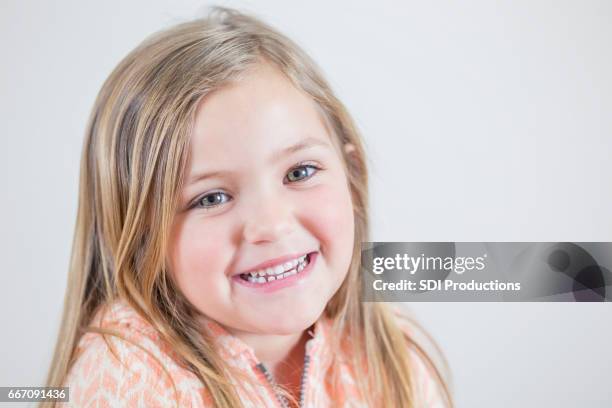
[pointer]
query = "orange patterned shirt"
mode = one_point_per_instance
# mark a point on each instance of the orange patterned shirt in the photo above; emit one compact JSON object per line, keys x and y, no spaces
{"x":98,"y":379}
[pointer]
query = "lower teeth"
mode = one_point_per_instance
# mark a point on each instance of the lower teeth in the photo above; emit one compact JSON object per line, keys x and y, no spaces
{"x":270,"y":278}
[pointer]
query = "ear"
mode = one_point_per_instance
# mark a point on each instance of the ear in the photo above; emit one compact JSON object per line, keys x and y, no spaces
{"x":349,"y":148}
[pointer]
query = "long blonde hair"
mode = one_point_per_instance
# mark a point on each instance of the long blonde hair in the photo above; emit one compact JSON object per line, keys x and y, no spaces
{"x":132,"y":168}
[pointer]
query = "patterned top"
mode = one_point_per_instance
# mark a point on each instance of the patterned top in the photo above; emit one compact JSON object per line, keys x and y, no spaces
{"x":98,"y":379}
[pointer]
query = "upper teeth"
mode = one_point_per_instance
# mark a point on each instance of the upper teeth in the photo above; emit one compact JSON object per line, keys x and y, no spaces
{"x":278,"y":269}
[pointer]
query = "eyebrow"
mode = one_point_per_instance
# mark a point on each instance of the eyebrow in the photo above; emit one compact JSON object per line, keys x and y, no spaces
{"x":307,"y":143}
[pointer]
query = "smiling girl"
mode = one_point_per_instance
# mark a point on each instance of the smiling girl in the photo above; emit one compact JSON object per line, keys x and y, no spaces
{"x":223,"y":202}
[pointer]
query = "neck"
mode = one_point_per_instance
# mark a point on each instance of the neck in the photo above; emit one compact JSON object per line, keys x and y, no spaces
{"x":283,"y":356}
{"x":276,"y":350}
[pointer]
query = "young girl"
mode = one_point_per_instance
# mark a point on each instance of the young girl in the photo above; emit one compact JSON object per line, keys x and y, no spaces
{"x":223,"y":202}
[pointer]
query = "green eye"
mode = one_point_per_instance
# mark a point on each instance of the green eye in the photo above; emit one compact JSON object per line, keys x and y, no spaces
{"x":301,"y":173}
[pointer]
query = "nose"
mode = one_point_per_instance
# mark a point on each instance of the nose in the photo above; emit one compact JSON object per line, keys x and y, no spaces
{"x":269,"y":219}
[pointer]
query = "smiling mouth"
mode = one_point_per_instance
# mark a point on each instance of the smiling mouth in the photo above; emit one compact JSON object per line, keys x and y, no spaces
{"x":278,"y":272}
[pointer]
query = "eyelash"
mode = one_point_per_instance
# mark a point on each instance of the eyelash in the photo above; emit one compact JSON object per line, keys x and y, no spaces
{"x":297,"y":167}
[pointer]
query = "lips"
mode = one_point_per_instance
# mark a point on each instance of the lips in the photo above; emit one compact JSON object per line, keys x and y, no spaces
{"x":271,"y":283}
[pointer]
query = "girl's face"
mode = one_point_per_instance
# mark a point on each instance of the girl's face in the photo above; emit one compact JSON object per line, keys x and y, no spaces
{"x":265,"y":186}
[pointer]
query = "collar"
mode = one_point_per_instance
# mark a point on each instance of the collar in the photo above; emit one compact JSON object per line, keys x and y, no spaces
{"x":229,"y":346}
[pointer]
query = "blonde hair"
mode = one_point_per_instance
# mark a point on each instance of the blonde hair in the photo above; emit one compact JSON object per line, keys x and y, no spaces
{"x":132,"y":168}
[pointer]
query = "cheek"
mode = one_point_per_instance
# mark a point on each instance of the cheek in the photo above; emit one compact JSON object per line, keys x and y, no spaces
{"x":330,"y":215}
{"x":196,"y":260}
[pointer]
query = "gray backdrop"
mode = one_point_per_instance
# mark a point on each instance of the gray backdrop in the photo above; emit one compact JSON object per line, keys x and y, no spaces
{"x":484,"y":121}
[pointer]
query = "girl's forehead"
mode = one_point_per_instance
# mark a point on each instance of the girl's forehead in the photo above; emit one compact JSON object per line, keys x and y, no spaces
{"x":263,"y":110}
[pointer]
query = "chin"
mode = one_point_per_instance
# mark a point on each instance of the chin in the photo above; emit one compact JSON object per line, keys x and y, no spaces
{"x":285,"y":323}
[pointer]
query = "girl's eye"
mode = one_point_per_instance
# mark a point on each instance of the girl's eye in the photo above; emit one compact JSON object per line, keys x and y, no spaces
{"x":211,"y":200}
{"x":301,"y":173}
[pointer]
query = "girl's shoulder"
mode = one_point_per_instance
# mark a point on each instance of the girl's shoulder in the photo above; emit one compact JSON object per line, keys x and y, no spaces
{"x":131,"y":367}
{"x":425,"y":359}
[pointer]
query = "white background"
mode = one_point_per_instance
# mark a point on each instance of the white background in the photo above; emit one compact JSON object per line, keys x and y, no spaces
{"x":484,"y":121}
